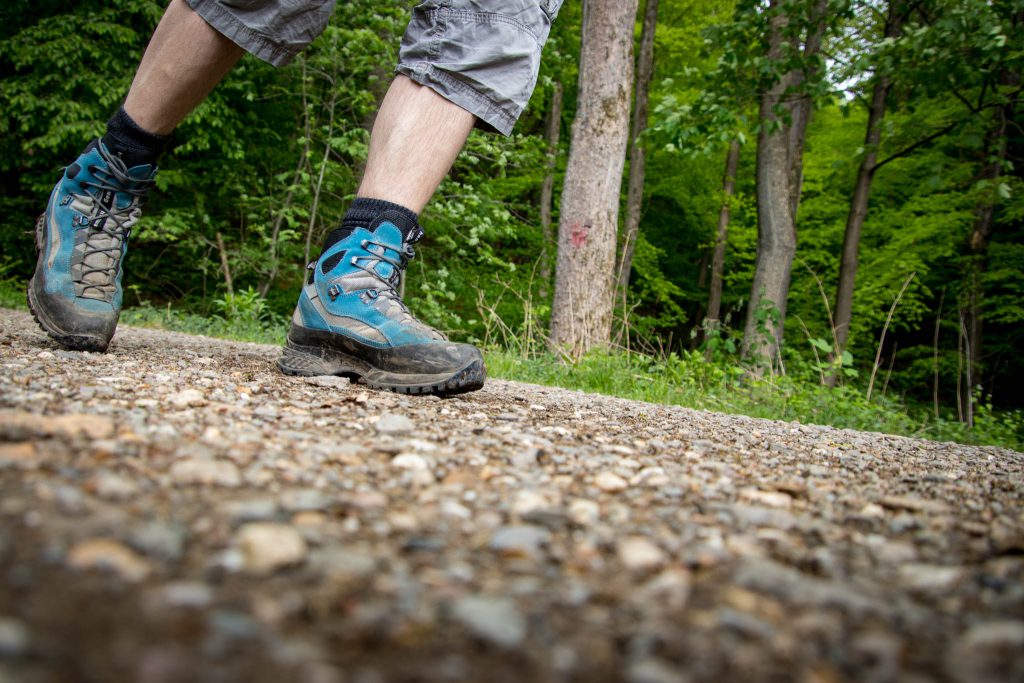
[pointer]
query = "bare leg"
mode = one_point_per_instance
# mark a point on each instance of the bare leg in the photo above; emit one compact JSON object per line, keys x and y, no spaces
{"x":185,"y":59}
{"x":415,"y":140}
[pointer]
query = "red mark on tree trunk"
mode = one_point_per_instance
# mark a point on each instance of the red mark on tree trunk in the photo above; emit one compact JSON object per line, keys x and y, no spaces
{"x":578,"y":235}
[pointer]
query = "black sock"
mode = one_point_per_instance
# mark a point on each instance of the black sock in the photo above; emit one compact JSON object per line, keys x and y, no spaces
{"x":368,"y":213}
{"x":364,"y":212}
{"x":127,"y":140}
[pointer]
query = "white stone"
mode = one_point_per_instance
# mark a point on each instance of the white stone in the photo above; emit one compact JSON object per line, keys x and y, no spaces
{"x":930,"y":578}
{"x":268,"y":546}
{"x":187,"y":398}
{"x":529,"y":500}
{"x":770,"y":498}
{"x":609,"y":482}
{"x":328,"y":381}
{"x":584,"y":512}
{"x":410,"y":461}
{"x":206,"y":472}
{"x":638,"y":554}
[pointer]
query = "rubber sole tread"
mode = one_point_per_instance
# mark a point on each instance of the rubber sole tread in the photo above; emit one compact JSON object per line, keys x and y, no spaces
{"x":295,"y":362}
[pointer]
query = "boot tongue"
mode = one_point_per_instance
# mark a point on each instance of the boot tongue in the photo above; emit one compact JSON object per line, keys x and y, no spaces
{"x":410,"y":229}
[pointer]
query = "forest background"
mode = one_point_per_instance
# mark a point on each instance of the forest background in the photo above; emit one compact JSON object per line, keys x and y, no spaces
{"x":265,"y":167}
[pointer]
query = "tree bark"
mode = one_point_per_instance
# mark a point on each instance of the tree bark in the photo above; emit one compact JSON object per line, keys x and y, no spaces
{"x":547,"y":190}
{"x":861,"y":194}
{"x":977,"y":247}
{"x":732,"y":159}
{"x":785,"y":112}
{"x":637,"y":156}
{"x":224,"y":267}
{"x":584,"y":279}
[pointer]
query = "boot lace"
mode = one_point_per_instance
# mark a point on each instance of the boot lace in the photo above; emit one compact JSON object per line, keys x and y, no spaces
{"x":109,"y":225}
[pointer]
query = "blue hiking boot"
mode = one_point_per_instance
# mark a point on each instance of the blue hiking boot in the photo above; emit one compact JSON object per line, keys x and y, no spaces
{"x":350,"y":320}
{"x":75,"y":294}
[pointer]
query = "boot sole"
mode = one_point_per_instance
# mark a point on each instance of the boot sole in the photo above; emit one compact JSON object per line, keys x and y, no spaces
{"x":311,"y":361}
{"x":75,"y":342}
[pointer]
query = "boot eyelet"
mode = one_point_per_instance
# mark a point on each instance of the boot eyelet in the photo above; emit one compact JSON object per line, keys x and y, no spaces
{"x":334,"y":292}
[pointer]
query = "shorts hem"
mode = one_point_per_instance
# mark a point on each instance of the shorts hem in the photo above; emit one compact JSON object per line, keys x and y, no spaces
{"x":489,"y":116}
{"x":228,"y":25}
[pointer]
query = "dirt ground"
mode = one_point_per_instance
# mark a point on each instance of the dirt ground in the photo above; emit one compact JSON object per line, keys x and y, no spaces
{"x":176,"y":510}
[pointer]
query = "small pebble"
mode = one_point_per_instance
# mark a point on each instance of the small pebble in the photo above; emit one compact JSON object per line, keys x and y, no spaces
{"x":609,"y":482}
{"x":496,"y":620}
{"x":108,"y":555}
{"x":14,"y":638}
{"x":267,"y":546}
{"x":393,"y":424}
{"x":206,"y":472}
{"x":639,"y":554}
{"x":187,"y":398}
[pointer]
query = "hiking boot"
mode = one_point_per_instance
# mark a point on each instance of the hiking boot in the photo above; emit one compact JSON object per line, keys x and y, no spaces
{"x":350,"y":319}
{"x":75,"y":293}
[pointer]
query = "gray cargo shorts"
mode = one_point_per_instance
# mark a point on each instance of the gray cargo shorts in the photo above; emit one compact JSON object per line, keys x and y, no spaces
{"x":483,"y":55}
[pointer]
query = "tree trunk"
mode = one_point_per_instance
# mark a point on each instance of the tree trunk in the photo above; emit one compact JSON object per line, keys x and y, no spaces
{"x":547,"y":190}
{"x":784,"y":114}
{"x":861,"y":194}
{"x":637,"y":158}
{"x":977,"y":253}
{"x":589,"y":211}
{"x":224,"y":267}
{"x":732,"y":159}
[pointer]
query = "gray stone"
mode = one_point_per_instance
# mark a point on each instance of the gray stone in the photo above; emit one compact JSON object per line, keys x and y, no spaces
{"x":989,"y":652}
{"x":206,"y":472}
{"x":304,"y":500}
{"x":929,"y":578}
{"x":14,"y":638}
{"x":181,"y":594}
{"x":254,"y":510}
{"x":520,"y":541}
{"x":343,"y":564}
{"x":790,"y":585}
{"x":495,"y":620}
{"x":163,"y":540}
{"x":391,"y":423}
{"x":111,"y":486}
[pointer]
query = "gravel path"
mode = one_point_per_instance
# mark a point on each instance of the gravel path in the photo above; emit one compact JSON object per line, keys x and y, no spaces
{"x":178,"y":511}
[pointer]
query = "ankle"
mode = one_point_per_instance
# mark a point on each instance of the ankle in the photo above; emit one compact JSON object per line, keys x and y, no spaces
{"x":127,"y":140}
{"x":364,"y":211}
